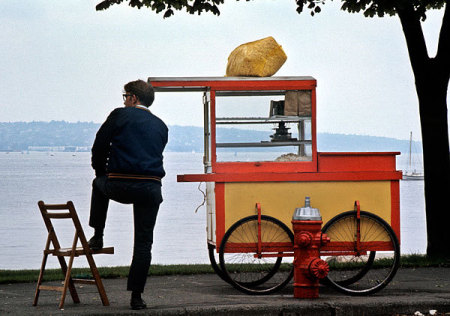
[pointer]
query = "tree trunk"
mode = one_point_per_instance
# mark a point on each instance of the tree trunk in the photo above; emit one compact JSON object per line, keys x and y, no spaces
{"x":433,"y":118}
{"x":432,"y":77}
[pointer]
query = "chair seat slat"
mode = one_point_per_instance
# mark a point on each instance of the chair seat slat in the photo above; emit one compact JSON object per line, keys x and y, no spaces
{"x":79,"y":251}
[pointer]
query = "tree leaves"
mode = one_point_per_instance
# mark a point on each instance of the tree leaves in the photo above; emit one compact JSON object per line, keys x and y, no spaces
{"x":168,"y":13}
{"x":168,"y":6}
{"x":370,"y":8}
{"x":106,"y":4}
{"x":300,"y":4}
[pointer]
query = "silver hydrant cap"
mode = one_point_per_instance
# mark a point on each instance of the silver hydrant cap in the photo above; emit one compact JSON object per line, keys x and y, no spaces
{"x":307,"y":213}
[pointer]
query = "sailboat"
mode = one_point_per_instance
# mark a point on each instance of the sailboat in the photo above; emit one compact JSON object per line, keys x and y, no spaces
{"x":411,"y":173}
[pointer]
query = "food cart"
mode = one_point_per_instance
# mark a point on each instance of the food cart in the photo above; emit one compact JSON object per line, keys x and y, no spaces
{"x":261,"y":161}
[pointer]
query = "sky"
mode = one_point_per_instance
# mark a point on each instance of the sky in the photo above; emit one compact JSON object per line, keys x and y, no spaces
{"x":63,"y":60}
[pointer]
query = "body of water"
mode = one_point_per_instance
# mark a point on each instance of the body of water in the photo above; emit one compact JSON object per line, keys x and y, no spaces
{"x":180,"y":233}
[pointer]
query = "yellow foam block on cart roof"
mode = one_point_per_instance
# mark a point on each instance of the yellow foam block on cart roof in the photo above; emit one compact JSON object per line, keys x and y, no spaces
{"x":261,"y":58}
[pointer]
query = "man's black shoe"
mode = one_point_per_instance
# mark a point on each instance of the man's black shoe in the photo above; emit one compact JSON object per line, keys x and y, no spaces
{"x":96,"y":243}
{"x":137,"y":303}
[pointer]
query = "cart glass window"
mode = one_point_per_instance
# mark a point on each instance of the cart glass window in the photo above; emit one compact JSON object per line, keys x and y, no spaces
{"x":263,"y":126}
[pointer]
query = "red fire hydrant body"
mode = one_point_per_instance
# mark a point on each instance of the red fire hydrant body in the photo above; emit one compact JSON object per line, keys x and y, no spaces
{"x":308,"y":237}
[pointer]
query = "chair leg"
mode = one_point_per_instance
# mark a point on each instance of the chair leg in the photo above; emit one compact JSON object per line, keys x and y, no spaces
{"x":98,"y":279}
{"x":68,"y":282}
{"x":39,"y":282}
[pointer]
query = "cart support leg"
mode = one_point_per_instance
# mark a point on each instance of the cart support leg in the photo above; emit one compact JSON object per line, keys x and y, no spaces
{"x":258,"y":209}
{"x":357,"y":208}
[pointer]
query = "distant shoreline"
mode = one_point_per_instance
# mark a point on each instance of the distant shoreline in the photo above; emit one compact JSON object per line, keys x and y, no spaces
{"x":73,"y":137}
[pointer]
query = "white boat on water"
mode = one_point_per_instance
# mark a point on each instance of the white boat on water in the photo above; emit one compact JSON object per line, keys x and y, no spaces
{"x":411,"y":173}
{"x":413,"y":176}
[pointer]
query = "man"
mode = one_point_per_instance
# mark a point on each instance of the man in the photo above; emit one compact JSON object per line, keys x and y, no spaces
{"x":127,"y":157}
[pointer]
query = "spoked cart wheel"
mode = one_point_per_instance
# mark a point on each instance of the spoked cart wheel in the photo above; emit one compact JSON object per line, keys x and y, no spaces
{"x":364,"y":253}
{"x":256,"y":254}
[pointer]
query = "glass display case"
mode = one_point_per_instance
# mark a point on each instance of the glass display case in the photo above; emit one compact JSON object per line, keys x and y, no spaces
{"x":254,"y":124}
{"x":266,"y":126}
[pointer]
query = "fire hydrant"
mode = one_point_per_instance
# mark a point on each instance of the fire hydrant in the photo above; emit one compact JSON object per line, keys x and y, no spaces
{"x":308,"y":237}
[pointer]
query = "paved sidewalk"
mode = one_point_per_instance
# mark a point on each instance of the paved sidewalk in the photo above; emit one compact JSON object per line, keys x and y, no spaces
{"x":412,"y":290}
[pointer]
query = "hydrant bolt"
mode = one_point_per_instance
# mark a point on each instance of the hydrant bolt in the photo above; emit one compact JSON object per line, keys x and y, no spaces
{"x":303,"y":239}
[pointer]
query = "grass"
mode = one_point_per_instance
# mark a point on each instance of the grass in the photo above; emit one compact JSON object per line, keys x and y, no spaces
{"x":422,"y":261}
{"x":30,"y":276}
{"x":406,"y":261}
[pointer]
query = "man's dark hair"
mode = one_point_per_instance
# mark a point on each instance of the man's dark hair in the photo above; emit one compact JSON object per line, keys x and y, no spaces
{"x":142,"y":90}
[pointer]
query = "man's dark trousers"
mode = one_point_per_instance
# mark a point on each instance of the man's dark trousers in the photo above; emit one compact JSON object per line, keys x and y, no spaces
{"x":146,"y":198}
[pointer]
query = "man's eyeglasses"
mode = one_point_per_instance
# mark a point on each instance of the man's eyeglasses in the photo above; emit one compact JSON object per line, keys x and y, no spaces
{"x":125,"y":96}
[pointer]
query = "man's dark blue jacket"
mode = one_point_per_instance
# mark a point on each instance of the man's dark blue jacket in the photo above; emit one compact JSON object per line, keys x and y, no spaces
{"x":129,"y":144}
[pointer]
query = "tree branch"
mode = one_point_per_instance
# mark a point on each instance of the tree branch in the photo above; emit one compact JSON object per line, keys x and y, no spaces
{"x":443,"y":53}
{"x":415,"y":39}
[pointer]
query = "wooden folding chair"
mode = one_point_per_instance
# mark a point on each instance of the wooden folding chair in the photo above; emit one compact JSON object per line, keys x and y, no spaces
{"x":67,"y":211}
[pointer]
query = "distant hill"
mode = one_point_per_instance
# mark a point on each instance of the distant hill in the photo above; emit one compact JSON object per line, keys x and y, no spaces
{"x":343,"y":142}
{"x":19,"y":136}
{"x":22,"y":136}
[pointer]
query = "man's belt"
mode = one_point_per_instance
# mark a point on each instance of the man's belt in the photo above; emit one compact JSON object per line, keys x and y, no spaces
{"x":133,"y":176}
